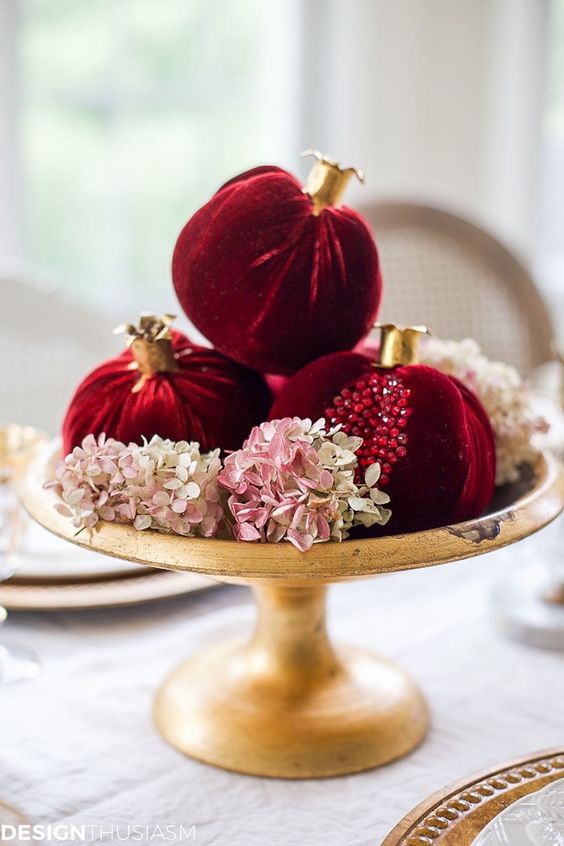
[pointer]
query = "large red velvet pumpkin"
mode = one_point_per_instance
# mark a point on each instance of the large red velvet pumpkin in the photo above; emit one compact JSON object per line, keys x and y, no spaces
{"x":165,"y":385}
{"x":430,"y":434}
{"x":275,"y":275}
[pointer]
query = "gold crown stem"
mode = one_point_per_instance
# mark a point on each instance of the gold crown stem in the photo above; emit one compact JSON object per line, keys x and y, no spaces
{"x":151,"y":346}
{"x":326,"y":181}
{"x":399,"y":344}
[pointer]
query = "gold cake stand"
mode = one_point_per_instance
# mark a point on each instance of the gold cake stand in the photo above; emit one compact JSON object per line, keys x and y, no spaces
{"x":288,"y":703}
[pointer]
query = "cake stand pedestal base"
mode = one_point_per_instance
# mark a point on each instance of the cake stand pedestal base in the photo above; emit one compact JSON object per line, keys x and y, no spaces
{"x":287,"y":704}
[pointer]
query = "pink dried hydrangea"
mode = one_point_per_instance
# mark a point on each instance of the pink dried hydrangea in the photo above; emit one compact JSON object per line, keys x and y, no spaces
{"x":505,"y":396}
{"x":294,"y":481}
{"x":161,"y":485}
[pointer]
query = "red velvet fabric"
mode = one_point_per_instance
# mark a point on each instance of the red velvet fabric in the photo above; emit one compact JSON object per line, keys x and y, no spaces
{"x":275,"y":382}
{"x":268,"y":283}
{"x":448,"y":471}
{"x":210,"y":399}
{"x":480,"y":480}
{"x":310,"y":391}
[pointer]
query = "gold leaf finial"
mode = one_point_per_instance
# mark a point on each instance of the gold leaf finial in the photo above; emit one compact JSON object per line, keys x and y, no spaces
{"x":151,"y":327}
{"x":399,"y":344}
{"x":151,"y":345}
{"x":327,"y":180}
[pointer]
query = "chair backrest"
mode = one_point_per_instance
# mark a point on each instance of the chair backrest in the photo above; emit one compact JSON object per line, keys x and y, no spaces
{"x":47,"y":346}
{"x":449,"y":274}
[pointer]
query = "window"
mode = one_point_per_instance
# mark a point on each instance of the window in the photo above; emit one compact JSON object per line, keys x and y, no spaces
{"x":551,"y":265}
{"x":132,"y":112}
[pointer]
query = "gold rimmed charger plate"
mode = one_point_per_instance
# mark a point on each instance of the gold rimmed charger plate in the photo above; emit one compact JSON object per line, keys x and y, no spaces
{"x":45,"y":558}
{"x":151,"y":586}
{"x":456,"y":815}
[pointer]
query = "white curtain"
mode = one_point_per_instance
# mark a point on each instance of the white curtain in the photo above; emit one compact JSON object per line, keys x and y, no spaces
{"x":436,"y":100}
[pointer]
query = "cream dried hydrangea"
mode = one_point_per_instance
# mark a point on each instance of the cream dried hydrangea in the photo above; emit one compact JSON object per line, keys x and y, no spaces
{"x":505,"y":396}
{"x":293,"y":480}
{"x":161,"y":485}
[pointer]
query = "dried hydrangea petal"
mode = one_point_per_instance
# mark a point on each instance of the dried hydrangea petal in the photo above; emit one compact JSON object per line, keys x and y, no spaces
{"x":160,"y":485}
{"x":293,"y":480}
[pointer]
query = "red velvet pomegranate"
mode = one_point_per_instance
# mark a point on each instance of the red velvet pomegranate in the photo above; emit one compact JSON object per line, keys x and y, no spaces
{"x":430,"y":434}
{"x":165,"y":385}
{"x":275,"y":275}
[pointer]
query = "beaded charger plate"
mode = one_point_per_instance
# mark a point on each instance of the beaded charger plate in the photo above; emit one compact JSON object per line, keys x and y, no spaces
{"x":520,"y":803}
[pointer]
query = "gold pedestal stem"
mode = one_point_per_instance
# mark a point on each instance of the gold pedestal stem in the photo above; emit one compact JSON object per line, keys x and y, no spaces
{"x":291,"y":642}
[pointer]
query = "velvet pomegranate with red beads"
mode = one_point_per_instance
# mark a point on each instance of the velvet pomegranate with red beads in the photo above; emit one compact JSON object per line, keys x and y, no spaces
{"x":165,"y":385}
{"x":276,"y":275}
{"x":429,"y":433}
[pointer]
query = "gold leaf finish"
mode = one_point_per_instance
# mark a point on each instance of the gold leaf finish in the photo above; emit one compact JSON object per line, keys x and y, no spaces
{"x":289,"y":704}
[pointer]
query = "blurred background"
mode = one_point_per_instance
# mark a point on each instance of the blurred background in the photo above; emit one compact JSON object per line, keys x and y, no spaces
{"x":118,"y":118}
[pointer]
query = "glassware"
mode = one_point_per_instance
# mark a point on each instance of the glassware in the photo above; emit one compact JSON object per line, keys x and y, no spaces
{"x":529,"y":606}
{"x":17,"y":446}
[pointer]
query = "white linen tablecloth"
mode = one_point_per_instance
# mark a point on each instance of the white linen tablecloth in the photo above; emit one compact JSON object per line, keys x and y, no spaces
{"x":77,"y":744}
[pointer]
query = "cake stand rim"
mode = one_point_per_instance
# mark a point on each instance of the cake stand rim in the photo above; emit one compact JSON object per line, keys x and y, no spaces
{"x":236,"y":561}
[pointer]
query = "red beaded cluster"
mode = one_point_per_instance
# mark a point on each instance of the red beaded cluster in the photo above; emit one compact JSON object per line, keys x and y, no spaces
{"x":376,"y":408}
